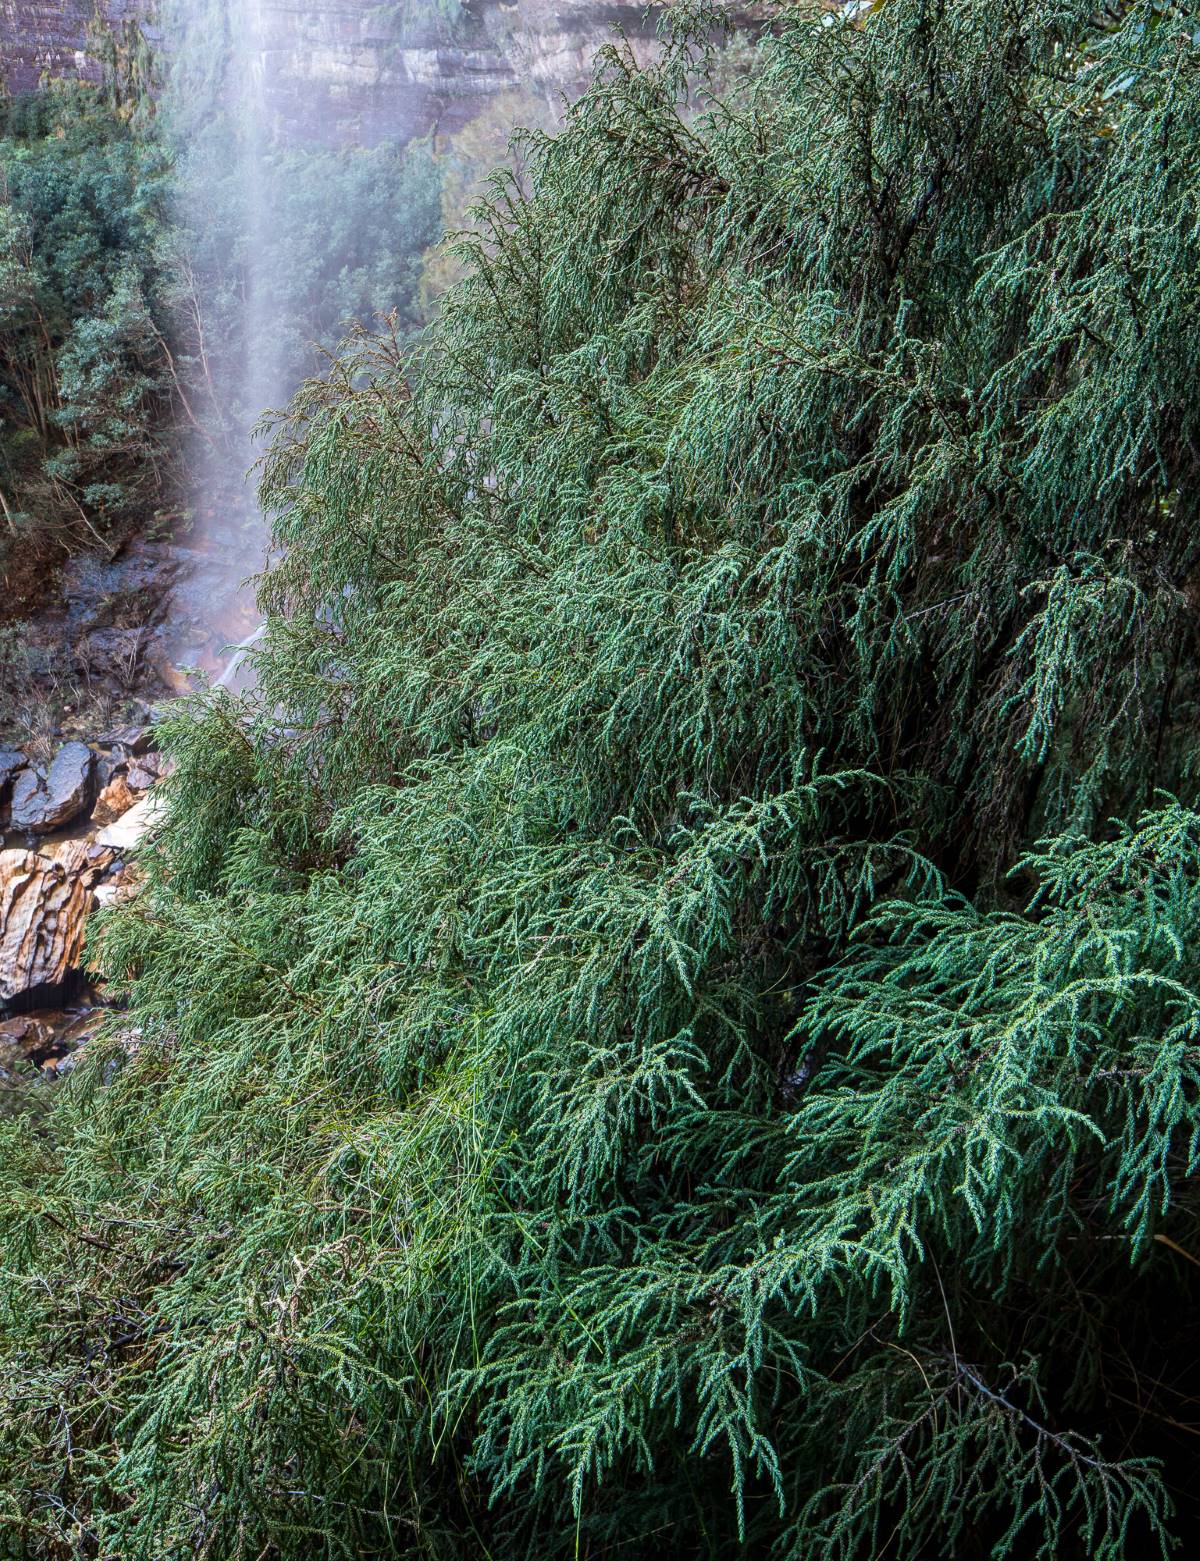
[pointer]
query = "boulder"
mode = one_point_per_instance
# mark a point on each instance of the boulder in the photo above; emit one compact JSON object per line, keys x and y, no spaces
{"x":24,"y":1030}
{"x":133,"y":739}
{"x":115,"y":799}
{"x":44,"y":905}
{"x":131,"y":828}
{"x":107,"y":765}
{"x":143,"y":772}
{"x":12,"y":763}
{"x":43,"y":800}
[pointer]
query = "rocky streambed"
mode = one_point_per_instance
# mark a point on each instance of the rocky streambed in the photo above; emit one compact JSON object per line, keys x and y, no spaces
{"x":70,"y":824}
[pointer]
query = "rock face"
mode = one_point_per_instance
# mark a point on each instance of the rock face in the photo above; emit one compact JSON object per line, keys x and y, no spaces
{"x":45,"y":897}
{"x":51,"y":37}
{"x":347,"y":72}
{"x":48,"y":892}
{"x":43,"y":800}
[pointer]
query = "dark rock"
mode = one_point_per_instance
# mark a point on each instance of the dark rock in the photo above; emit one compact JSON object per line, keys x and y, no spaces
{"x":132,"y":739}
{"x":46,"y":800}
{"x":22,"y":1042}
{"x":22,"y":1030}
{"x":113,"y":655}
{"x":107,"y":766}
{"x":70,"y":1032}
{"x":130,"y":592}
{"x":46,"y":1038}
{"x":143,"y":773}
{"x":12,"y":762}
{"x":97,"y":628}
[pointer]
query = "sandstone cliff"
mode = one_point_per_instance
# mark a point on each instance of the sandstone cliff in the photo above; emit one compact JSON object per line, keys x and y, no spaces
{"x":348,"y":71}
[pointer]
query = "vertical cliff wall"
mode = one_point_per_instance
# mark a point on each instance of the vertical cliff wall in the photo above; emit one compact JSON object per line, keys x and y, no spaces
{"x":353,"y":71}
{"x":40,"y":38}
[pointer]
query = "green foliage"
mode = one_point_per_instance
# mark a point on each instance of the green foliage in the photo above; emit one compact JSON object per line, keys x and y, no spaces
{"x":594,"y":1082}
{"x":284,"y":240}
{"x":336,"y":236}
{"x":87,"y":398}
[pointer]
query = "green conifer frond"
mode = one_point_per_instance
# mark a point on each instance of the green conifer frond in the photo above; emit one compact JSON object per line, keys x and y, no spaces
{"x":673,"y":1020}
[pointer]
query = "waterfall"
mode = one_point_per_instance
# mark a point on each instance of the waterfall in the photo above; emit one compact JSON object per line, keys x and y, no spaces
{"x":228,"y":149}
{"x":264,"y":386}
{"x":264,"y":379}
{"x":232,"y":671}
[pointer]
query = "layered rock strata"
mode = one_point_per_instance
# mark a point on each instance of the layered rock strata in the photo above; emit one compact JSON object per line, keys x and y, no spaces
{"x":345,"y":72}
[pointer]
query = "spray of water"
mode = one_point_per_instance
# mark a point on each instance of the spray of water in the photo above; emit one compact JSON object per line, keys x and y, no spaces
{"x":235,"y":668}
{"x":291,"y":234}
{"x":264,"y":382}
{"x":218,"y":105}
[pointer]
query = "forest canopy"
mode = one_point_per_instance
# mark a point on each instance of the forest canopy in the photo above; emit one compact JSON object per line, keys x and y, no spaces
{"x":88,"y":396}
{"x":126,"y":293}
{"x":671,"y":1020}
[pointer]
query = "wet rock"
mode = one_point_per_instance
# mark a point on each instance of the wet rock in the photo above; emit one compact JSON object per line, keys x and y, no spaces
{"x":131,"y":592}
{"x":115,"y":799}
{"x":44,"y":905}
{"x":12,"y":762}
{"x":173,"y":678}
{"x":26,"y":792}
{"x":114,"y":656}
{"x":135,"y":740}
{"x":69,"y":1034}
{"x":23,"y":1030}
{"x":142,"y":773}
{"x":47,"y":1038}
{"x":132,"y":827}
{"x":43,"y":800}
{"x":107,"y":765}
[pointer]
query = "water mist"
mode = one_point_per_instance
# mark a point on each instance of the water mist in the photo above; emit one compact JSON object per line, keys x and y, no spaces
{"x":218,"y":107}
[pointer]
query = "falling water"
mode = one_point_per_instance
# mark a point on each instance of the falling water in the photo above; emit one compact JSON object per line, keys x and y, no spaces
{"x":234,"y":669}
{"x":263,"y":380}
{"x":293,"y":227}
{"x":265,"y":383}
{"x":226,"y":199}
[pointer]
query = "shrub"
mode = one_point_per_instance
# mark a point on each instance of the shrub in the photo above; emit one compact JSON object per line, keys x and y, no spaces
{"x":672,"y":1022}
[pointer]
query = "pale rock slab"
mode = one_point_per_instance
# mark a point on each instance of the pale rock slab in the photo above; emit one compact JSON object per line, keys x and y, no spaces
{"x":132,"y":827}
{"x":44,"y":905}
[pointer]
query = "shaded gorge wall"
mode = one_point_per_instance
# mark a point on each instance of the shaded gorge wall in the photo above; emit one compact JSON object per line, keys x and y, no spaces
{"x":354,"y":71}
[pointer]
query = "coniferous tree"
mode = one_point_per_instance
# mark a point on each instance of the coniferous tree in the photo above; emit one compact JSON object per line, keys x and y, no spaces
{"x":672,"y":1022}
